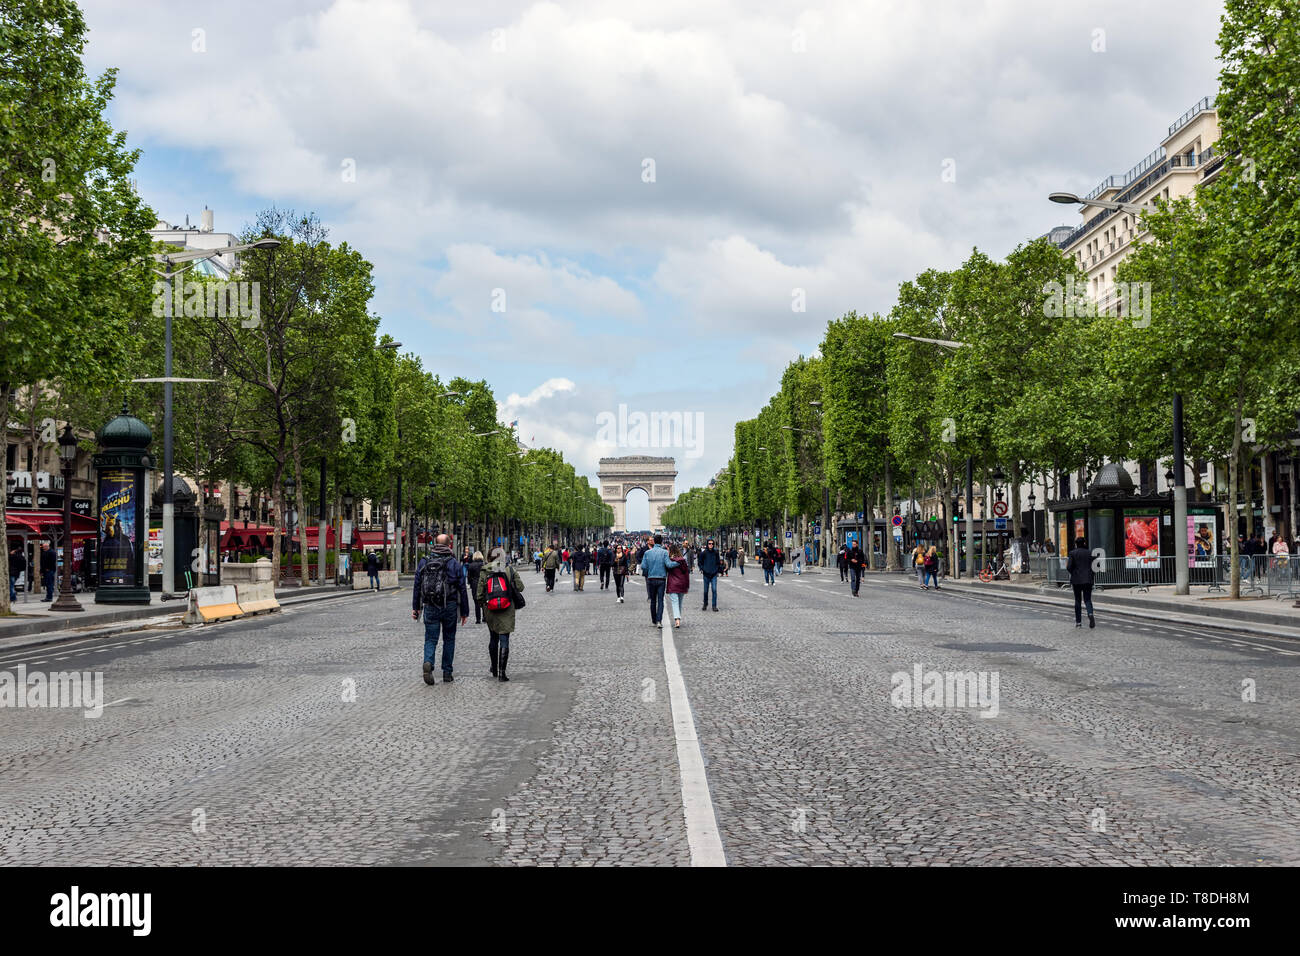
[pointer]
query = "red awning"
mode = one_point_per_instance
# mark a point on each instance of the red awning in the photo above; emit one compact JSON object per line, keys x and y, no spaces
{"x":49,"y":523}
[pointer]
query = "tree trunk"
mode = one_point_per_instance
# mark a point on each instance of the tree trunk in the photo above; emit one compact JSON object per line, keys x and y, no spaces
{"x":891,"y":556}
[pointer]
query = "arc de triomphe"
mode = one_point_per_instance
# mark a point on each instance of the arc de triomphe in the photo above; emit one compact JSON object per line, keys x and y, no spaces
{"x":657,"y":477}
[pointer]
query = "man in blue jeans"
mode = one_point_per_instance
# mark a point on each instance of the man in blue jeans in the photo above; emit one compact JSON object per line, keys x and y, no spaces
{"x":440,"y":589}
{"x":654,"y":565}
{"x":709,"y":564}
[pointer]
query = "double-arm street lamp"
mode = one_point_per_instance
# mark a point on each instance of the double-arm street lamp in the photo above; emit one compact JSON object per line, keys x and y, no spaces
{"x":1181,"y":580}
{"x":168,"y":260}
{"x":970,"y":467}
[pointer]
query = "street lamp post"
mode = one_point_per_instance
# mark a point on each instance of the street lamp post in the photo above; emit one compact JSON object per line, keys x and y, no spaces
{"x":66,"y":601}
{"x":970,"y":472}
{"x":347,"y":506}
{"x":167,"y":260}
{"x":1181,"y":578}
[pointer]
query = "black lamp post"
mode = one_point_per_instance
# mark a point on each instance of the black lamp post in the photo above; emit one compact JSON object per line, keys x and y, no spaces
{"x":383,"y":517}
{"x":347,"y":506}
{"x":66,"y":601}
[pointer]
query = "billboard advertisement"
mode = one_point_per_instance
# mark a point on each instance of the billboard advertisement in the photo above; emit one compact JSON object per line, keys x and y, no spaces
{"x":1142,"y":538}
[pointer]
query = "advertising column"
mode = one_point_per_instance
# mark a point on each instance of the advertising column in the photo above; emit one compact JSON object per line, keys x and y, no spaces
{"x":123,"y":519}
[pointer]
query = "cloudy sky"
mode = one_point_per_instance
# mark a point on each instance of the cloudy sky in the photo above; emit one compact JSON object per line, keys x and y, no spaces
{"x":647,"y":189}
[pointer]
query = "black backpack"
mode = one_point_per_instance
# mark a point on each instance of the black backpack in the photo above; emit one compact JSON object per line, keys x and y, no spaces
{"x":435,"y":582}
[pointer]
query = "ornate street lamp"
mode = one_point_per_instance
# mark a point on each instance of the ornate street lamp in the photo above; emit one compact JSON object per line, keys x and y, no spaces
{"x":66,"y":601}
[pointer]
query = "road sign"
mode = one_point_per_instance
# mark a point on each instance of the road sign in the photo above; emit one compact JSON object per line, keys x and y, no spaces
{"x":896,"y":521}
{"x":1000,"y":508}
{"x":898,"y":532}
{"x":999,"y":524}
{"x":789,"y":534}
{"x":817,"y":529}
{"x":859,"y":515}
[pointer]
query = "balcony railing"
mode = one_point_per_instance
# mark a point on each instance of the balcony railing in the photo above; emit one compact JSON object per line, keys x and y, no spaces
{"x":1203,"y":104}
{"x":1110,"y":182}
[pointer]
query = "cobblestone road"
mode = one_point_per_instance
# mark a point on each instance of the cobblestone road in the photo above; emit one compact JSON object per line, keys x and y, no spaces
{"x":242,"y":743}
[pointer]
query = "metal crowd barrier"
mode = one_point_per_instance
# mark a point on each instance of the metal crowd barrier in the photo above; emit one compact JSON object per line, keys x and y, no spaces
{"x":1141,"y":573}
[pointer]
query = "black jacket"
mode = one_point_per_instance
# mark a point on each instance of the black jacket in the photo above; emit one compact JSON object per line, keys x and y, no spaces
{"x":17,"y":563}
{"x":856,"y":558}
{"x":372,"y":563}
{"x":453,"y":573}
{"x":47,"y":560}
{"x":709,"y":561}
{"x":621,"y":565}
{"x":1080,"y":567}
{"x":581,"y":560}
{"x":472,"y":569}
{"x":604,"y":556}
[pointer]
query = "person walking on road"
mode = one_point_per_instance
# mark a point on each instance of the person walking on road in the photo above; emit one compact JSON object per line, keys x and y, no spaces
{"x":740,"y":561}
{"x":918,"y":562}
{"x":550,"y":563}
{"x":779,"y":555}
{"x":710,"y":563}
{"x":678,"y":582}
{"x":440,"y":590}
{"x":655,"y":564}
{"x":798,"y":560}
{"x":842,"y":562}
{"x":581,"y":561}
{"x":620,"y":571}
{"x":537,"y":562}
{"x":1079,"y":567}
{"x":931,"y":567}
{"x":605,"y":563}
{"x":767,"y":557}
{"x":473,"y":568}
{"x":372,"y":569}
{"x":498,"y":593}
{"x":856,"y":560}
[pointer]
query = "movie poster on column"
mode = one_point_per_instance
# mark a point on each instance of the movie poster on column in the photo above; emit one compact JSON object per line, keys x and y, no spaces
{"x":118,"y":495}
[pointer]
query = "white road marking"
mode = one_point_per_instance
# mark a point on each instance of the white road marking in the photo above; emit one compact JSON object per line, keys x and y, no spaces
{"x":697,"y":804}
{"x":120,"y":700}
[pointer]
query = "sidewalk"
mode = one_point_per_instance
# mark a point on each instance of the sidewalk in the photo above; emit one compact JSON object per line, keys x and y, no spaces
{"x":34,"y":623}
{"x":1261,"y":616}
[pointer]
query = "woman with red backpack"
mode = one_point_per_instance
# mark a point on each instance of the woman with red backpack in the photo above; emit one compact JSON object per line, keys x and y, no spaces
{"x":498,"y":591}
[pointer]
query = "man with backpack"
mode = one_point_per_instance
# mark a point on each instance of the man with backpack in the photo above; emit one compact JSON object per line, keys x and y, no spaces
{"x":498,"y":591}
{"x":440,"y":590}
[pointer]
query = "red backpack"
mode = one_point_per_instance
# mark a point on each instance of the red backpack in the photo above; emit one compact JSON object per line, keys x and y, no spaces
{"x":497,"y":592}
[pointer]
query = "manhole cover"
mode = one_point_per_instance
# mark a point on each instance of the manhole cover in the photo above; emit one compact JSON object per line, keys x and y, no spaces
{"x":999,"y":648}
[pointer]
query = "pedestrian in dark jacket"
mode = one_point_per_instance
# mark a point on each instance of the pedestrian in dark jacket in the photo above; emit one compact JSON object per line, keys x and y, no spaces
{"x":842,"y":562}
{"x":767,"y":557}
{"x":444,"y":596}
{"x":1079,"y":566}
{"x":501,"y":623}
{"x":605,"y":562}
{"x":581,"y":562}
{"x":47,"y":569}
{"x":857,"y":562}
{"x":710,"y":565}
{"x":372,"y":568}
{"x":473,"y":567}
{"x":622,"y":561}
{"x":17,"y":565}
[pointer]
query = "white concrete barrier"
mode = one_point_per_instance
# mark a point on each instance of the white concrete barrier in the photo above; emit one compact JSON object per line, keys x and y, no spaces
{"x":206,"y":605}
{"x":257,"y":597}
{"x":361,"y":580}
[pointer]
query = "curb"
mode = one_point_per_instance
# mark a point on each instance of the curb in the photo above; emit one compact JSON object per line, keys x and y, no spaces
{"x":133,"y":619}
{"x":1237,"y":621}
